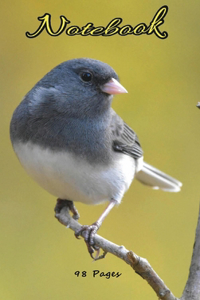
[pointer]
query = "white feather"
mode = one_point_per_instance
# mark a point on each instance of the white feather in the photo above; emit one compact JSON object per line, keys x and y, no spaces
{"x":68,"y":177}
{"x":155,"y":178}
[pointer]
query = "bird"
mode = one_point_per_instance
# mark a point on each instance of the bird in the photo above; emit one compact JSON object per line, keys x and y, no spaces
{"x":73,"y":144}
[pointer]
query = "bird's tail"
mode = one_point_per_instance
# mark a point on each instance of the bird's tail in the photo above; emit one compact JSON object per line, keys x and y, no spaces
{"x":157,"y":179}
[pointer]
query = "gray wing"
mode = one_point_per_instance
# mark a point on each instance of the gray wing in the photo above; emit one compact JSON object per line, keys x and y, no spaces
{"x":125,"y":139}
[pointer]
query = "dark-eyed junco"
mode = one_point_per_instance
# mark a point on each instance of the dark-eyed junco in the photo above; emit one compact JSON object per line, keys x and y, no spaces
{"x":73,"y":144}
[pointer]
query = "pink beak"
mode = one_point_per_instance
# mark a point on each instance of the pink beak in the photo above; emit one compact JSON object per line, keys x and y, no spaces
{"x":113,"y":87}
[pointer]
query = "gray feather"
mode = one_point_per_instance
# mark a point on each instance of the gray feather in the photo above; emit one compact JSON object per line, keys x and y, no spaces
{"x":125,"y":139}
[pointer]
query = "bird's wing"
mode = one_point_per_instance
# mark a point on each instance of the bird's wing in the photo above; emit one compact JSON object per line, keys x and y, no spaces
{"x":125,"y":139}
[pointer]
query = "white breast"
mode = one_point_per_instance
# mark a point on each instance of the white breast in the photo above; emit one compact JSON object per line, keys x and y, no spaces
{"x":68,"y":177}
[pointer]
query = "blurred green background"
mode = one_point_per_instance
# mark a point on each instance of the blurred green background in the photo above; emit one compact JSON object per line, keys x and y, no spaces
{"x":38,"y":256}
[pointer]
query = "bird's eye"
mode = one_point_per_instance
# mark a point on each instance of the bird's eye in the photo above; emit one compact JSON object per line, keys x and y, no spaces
{"x":86,"y":76}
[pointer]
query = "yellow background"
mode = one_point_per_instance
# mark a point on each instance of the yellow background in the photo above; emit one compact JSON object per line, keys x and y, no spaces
{"x":38,"y":256}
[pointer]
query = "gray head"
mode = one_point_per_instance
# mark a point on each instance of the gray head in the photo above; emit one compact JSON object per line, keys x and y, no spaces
{"x":79,"y":87}
{"x":66,"y":102}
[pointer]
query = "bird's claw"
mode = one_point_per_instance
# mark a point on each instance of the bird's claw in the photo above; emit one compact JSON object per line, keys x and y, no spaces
{"x":88,"y":232}
{"x":70,"y":205}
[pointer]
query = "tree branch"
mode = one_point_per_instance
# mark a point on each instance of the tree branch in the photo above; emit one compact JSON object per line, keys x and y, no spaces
{"x":192,"y":288}
{"x":140,"y":265}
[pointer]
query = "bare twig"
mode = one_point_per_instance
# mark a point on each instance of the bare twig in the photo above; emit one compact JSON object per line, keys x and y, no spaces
{"x":192,"y":288}
{"x":139,"y":264}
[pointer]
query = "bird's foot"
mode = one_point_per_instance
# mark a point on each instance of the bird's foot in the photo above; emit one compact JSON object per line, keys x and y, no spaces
{"x":88,"y":232}
{"x":70,"y":205}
